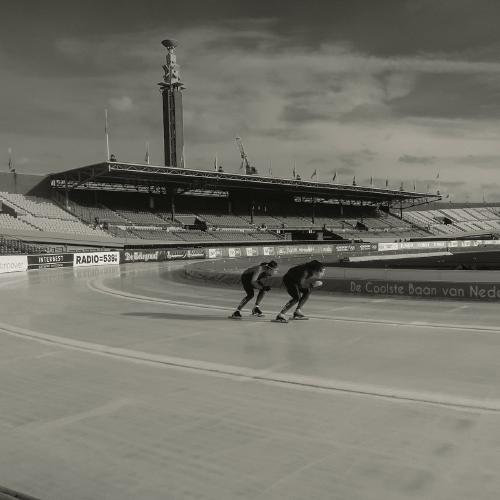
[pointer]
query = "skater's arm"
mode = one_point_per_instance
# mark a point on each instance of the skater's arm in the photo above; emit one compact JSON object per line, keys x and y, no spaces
{"x":309,"y":279}
{"x":304,"y":280}
{"x":255,"y":279}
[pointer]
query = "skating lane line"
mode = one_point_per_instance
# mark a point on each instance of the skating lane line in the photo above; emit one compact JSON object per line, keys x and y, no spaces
{"x":97,"y":286}
{"x":283,"y":379}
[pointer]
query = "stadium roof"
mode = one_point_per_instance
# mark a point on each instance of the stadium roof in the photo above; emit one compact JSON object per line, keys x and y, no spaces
{"x":132,"y":176}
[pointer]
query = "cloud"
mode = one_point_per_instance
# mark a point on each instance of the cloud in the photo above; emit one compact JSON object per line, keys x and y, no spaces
{"x":451,"y":184}
{"x":451,"y":95}
{"x":485,"y":161}
{"x":330,"y":105}
{"x":493,"y":185}
{"x":123,"y":103}
{"x":342,"y":171}
{"x":424,"y":160}
{"x":357,"y":158}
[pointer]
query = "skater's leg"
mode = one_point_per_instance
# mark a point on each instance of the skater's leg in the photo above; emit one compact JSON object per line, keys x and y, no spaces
{"x":249,"y":296}
{"x":293,"y":290}
{"x":303,"y":299}
{"x":260,"y":296}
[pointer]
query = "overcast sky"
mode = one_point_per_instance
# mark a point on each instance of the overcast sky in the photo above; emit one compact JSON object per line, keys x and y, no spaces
{"x":392,"y":89}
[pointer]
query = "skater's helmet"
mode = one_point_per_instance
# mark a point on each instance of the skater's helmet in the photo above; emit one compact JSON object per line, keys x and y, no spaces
{"x":315,"y":265}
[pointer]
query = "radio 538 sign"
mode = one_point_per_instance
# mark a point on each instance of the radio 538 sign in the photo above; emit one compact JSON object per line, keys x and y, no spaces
{"x":96,"y":259}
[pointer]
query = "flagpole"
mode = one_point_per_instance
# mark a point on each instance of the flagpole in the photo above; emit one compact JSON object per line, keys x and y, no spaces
{"x":10,"y":160}
{"x":106,"y":131}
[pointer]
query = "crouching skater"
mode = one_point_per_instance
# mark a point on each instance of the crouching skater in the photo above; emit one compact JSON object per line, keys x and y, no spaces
{"x":299,"y":281}
{"x":251,"y":281}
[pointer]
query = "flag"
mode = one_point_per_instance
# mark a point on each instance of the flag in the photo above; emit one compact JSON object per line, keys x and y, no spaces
{"x":10,"y":160}
{"x":334,"y":176}
{"x":314,"y":174}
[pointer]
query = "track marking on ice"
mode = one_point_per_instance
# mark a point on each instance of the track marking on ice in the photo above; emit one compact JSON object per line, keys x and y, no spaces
{"x":97,"y":286}
{"x":456,"y":309}
{"x":289,"y":380}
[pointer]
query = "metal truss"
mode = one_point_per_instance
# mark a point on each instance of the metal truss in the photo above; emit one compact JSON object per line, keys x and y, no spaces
{"x":116,"y":176}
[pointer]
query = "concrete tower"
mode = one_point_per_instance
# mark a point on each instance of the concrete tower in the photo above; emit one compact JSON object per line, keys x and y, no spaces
{"x":171,"y":90}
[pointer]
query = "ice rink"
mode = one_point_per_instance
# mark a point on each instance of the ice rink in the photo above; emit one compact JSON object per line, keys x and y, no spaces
{"x":124,"y":383}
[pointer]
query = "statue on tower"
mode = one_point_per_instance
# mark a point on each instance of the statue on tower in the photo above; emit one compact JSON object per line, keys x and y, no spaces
{"x":172,"y":74}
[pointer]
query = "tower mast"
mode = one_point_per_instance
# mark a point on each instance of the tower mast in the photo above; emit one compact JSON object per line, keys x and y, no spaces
{"x":171,"y":90}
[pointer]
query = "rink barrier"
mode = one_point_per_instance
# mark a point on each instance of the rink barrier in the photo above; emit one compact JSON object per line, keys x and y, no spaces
{"x":22,"y":263}
{"x":445,"y":284}
{"x":434,"y":245}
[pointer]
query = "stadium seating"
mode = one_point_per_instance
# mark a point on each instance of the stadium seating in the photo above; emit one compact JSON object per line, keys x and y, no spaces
{"x":206,"y":219}
{"x":456,"y":221}
{"x":12,"y":246}
{"x":118,"y":232}
{"x":37,"y":214}
{"x":62,"y":226}
{"x":155,"y":234}
{"x":32,"y":205}
{"x":195,"y":236}
{"x":89,"y":214}
{"x":9,"y":222}
{"x":141,"y":217}
{"x":223,"y":220}
{"x":265,"y":236}
{"x":262,"y":221}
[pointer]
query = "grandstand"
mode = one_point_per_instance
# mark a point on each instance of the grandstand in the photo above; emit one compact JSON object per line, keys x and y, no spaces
{"x":152,"y":205}
{"x":39,"y":214}
{"x":456,"y":221}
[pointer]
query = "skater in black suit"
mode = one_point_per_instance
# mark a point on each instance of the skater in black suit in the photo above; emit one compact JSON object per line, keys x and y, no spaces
{"x":299,"y":281}
{"x":251,"y":280}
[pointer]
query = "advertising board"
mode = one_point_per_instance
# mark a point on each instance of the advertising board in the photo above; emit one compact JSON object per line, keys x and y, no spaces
{"x":13,"y":263}
{"x":139,"y":256}
{"x":213,"y":253}
{"x":48,"y":261}
{"x":96,"y":259}
{"x":251,"y":251}
{"x":234,"y":252}
{"x":424,"y":289}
